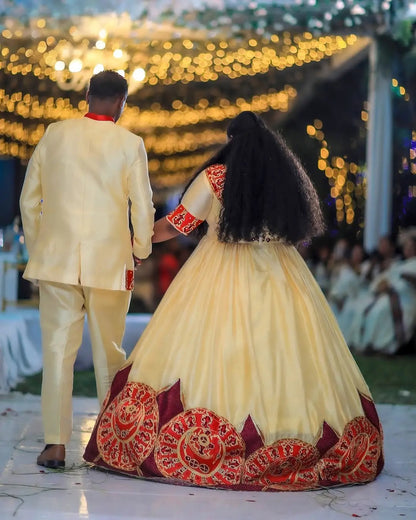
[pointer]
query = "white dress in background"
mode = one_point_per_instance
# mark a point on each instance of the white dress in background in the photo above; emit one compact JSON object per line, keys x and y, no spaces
{"x":384,"y":321}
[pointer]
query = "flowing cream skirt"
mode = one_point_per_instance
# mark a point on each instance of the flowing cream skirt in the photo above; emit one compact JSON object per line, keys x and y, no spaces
{"x":245,"y":336}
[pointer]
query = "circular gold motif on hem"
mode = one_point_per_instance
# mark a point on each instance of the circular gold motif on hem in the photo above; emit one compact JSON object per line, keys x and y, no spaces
{"x":355,"y":456}
{"x":288,"y":464}
{"x":200,"y":447}
{"x":127,"y":429}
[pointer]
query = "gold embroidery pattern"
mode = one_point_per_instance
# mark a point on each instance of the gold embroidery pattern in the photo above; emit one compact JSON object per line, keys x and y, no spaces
{"x":182,"y":220}
{"x":200,"y":447}
{"x":216,"y":177}
{"x":106,"y":400}
{"x":354,"y":457}
{"x":127,"y":429}
{"x":288,"y":464}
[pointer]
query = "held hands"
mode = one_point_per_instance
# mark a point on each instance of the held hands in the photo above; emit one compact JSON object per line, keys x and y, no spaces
{"x":136,"y":260}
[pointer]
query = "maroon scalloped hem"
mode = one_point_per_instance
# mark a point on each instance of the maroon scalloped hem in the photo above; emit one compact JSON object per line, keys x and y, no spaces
{"x":354,"y":458}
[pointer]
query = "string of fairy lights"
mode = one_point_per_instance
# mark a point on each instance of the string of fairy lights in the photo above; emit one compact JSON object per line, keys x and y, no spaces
{"x":165,"y":62}
{"x":347,"y":184}
{"x":347,"y":181}
{"x":203,"y":48}
{"x":21,"y":137}
{"x":408,"y":159}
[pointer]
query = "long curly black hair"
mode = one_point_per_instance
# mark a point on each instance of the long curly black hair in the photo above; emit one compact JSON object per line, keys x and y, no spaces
{"x":267,"y":193}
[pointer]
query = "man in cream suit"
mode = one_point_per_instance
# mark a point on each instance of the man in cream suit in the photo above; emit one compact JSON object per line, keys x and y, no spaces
{"x":82,"y":177}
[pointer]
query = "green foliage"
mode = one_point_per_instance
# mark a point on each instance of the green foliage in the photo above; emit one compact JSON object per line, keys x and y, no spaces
{"x":84,"y":384}
{"x":403,"y":32}
{"x":390,"y":379}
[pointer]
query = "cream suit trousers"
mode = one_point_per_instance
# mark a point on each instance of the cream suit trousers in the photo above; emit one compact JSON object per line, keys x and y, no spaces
{"x":62,"y":310}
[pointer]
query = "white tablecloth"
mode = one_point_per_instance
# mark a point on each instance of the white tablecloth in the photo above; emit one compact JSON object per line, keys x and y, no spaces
{"x":21,"y":344}
{"x":20,"y":351}
{"x":8,"y":279}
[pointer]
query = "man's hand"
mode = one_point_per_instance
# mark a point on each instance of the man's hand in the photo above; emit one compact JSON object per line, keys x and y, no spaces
{"x":137,"y":261}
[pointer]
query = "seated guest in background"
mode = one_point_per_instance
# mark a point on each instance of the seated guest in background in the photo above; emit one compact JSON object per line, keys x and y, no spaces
{"x":386,"y":320}
{"x":320,"y":267}
{"x":383,"y":257}
{"x":338,"y":258}
{"x":349,"y":287}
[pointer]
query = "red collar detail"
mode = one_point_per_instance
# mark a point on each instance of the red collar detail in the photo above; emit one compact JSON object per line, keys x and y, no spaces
{"x":99,"y":117}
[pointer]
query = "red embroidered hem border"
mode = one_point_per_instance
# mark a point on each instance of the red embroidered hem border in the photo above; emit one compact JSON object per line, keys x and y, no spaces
{"x":142,"y":433}
{"x":182,"y":220}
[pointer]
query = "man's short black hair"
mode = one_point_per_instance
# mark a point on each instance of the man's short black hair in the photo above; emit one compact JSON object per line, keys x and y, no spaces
{"x":108,"y":84}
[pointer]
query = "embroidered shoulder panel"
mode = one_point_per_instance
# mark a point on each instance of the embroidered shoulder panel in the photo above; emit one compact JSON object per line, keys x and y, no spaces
{"x":182,"y":220}
{"x":216,"y":177}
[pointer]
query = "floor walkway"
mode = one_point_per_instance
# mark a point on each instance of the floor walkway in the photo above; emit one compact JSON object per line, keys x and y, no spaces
{"x":27,"y":492}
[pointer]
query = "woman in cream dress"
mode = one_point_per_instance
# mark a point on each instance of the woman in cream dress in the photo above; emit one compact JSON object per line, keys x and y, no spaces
{"x":242,"y":379}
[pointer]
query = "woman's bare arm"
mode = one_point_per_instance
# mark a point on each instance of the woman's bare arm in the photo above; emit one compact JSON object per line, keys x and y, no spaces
{"x":163,"y":230}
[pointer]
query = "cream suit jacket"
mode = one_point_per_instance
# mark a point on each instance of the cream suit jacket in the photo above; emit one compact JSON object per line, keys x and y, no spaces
{"x":75,"y":200}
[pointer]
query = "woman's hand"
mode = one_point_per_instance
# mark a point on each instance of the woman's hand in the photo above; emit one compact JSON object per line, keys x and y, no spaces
{"x":163,"y":230}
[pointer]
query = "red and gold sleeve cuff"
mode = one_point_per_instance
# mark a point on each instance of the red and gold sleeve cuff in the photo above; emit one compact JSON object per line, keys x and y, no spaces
{"x":182,"y":220}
